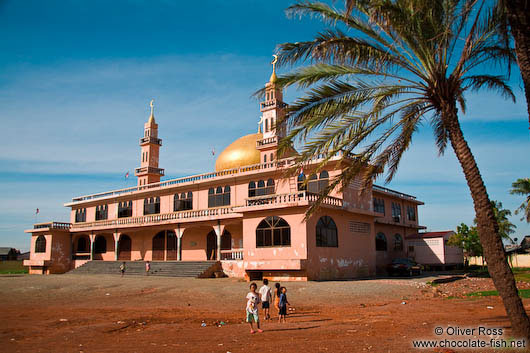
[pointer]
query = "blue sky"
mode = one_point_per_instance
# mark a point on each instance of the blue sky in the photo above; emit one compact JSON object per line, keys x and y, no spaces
{"x":76,"y":78}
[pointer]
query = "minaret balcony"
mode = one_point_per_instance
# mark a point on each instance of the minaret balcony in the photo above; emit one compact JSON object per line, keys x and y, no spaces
{"x":267,"y":105}
{"x":148,"y":170}
{"x":150,"y":140}
{"x":267,"y":142}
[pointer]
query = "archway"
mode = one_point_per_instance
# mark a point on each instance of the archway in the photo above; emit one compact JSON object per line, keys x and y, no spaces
{"x":124,"y":247}
{"x":83,"y":244}
{"x":171,"y":246}
{"x":100,"y":247}
{"x":226,"y":241}
{"x":211,"y":246}
{"x":158,"y":246}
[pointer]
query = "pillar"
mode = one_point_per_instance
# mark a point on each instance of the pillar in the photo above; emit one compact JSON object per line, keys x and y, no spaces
{"x":92,"y":238}
{"x":116,"y":236}
{"x":179,"y":232}
{"x":219,"y":228}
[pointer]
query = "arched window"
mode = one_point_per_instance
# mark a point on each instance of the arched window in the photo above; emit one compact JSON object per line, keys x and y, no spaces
{"x":270,"y":187}
{"x":252,"y":189}
{"x":312,"y":184}
{"x":301,"y":180}
{"x":226,"y":240}
{"x":40,"y":244}
{"x":264,"y":158}
{"x":183,"y":202}
{"x":266,"y":125}
{"x":100,"y":246}
{"x":323,"y":181}
{"x":218,"y":197}
{"x":398,"y":242}
{"x":125,"y":209}
{"x":380,"y":242}
{"x":152,"y":206}
{"x":326,"y":232}
{"x":80,"y":215}
{"x":82,"y":244}
{"x":272,"y":157}
{"x":273,"y":231}
{"x":101,"y":212}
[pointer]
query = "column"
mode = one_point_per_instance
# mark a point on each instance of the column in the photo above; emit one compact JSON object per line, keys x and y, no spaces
{"x":165,"y":245}
{"x":92,"y":237}
{"x":179,"y":232}
{"x":219,"y":228}
{"x":116,"y":236}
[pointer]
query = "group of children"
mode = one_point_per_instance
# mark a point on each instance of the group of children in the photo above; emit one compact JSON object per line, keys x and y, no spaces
{"x":265,"y":296}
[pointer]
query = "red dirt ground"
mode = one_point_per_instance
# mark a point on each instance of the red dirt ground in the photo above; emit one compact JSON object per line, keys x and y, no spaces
{"x":75,"y":313}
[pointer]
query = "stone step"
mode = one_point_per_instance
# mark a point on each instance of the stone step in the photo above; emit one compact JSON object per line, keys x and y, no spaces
{"x":169,"y":268}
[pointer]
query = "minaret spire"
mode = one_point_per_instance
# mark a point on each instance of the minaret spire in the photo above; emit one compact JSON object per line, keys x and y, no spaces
{"x":149,"y":172}
{"x":273,"y":75}
{"x":152,"y":116}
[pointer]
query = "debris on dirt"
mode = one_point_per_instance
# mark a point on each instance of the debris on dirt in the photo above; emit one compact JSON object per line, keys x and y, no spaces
{"x":489,"y":307}
{"x":120,"y":322}
{"x":362,"y":305}
{"x":63,"y":320}
{"x":107,"y":293}
{"x":403,"y":303}
{"x":203,"y":324}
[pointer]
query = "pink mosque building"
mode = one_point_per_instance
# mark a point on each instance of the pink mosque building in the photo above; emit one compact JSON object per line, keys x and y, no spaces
{"x":247,"y":216}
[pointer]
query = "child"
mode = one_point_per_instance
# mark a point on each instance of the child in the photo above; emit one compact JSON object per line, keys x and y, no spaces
{"x":277,"y":297}
{"x":252,"y":307}
{"x":265,"y":296}
{"x":147,"y":268}
{"x":283,"y":304}
{"x":122,"y":268}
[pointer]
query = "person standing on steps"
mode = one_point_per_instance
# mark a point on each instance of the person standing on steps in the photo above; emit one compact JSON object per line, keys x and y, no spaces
{"x":147,"y":267}
{"x":122,"y":268}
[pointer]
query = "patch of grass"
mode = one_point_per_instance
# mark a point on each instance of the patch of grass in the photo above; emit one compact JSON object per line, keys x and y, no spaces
{"x":11,"y":267}
{"x":14,"y":272}
{"x":523,"y":293}
{"x":433,"y":284}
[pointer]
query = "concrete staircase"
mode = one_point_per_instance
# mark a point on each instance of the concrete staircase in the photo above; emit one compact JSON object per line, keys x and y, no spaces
{"x":197,"y":269}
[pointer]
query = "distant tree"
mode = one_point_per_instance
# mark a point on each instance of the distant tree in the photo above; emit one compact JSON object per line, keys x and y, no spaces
{"x":522,"y":187}
{"x":505,"y":226}
{"x":467,"y":239}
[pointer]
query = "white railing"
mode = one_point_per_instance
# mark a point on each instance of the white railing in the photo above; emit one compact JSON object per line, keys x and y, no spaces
{"x":52,"y":225}
{"x":233,"y":254}
{"x":157,"y":218}
{"x":292,"y":197}
{"x":393,"y":192}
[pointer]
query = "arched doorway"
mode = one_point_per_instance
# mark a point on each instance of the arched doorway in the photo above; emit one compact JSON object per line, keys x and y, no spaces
{"x":211,"y":246}
{"x":83,"y":244}
{"x":171,"y":246}
{"x":124,"y":247}
{"x":158,"y":246}
{"x":100,"y":247}
{"x":226,"y":241}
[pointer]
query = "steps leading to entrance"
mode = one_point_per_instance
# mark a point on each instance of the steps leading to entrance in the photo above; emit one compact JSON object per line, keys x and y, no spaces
{"x":197,"y":269}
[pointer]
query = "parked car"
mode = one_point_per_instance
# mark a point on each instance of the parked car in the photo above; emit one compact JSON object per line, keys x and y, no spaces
{"x":405,"y":267}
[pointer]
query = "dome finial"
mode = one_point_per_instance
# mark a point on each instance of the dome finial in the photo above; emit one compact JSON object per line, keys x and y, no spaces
{"x":152,"y":116}
{"x":273,"y":63}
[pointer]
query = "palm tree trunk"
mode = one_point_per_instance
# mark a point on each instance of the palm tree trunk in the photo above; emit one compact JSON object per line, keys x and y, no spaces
{"x":487,"y":226}
{"x":518,"y":13}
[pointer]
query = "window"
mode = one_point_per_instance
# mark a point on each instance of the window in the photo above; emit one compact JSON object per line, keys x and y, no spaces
{"x":219,"y":197}
{"x":273,"y":231}
{"x":379,"y":205}
{"x":326,"y":232}
{"x":183,"y":202}
{"x":396,"y":212}
{"x":40,"y":244}
{"x":380,"y":242}
{"x":398,"y":242}
{"x":125,"y":209}
{"x":80,"y":215}
{"x":101,"y":212}
{"x":317,"y":184}
{"x":266,"y":125}
{"x":264,"y":158}
{"x":100,"y":246}
{"x":411,"y":213}
{"x":300,"y":182}
{"x":261,"y":188}
{"x":152,"y":205}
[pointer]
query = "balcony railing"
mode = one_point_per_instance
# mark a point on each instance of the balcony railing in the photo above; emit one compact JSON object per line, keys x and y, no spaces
{"x":52,"y":225}
{"x":150,"y":139}
{"x":150,"y":219}
{"x":233,"y":254}
{"x":282,"y":163}
{"x":393,"y":192}
{"x":267,"y":141}
{"x":291,"y":198}
{"x":149,"y":170}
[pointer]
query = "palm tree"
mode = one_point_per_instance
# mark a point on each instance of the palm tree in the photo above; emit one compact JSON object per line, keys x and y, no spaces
{"x":501,"y":215}
{"x":522,"y":187}
{"x":516,"y":15}
{"x":379,"y":73}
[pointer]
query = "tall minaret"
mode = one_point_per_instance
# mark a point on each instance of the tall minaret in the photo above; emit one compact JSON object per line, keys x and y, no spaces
{"x":272,"y":109}
{"x":150,"y":146}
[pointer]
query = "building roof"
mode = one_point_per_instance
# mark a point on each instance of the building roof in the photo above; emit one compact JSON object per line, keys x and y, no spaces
{"x":6,"y":251}
{"x":426,"y":235}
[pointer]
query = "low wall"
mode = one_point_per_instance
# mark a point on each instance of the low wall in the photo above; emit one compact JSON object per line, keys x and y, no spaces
{"x":517,"y":260}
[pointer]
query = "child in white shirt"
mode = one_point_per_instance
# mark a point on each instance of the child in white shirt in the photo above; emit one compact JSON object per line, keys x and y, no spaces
{"x":252,"y":307}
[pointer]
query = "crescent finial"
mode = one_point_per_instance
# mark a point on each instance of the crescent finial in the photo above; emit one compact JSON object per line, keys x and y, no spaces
{"x":152,"y":105}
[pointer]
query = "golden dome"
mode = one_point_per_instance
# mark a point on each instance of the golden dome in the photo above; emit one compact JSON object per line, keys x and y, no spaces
{"x":239,"y":153}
